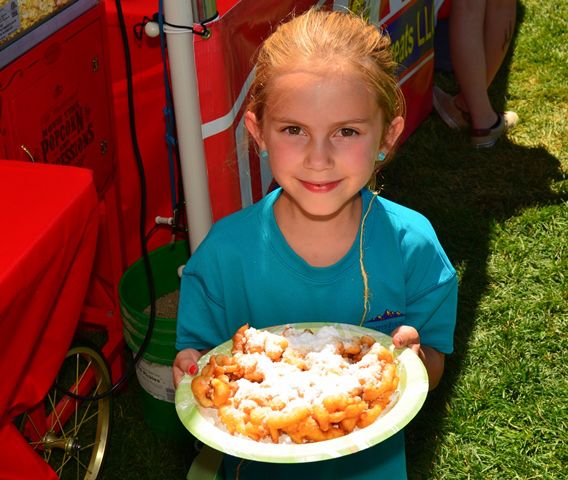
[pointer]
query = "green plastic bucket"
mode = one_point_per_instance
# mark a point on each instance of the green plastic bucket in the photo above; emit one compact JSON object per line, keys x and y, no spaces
{"x":154,"y":371}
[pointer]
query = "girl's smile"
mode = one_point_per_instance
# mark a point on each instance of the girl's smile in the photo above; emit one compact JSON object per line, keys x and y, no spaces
{"x":319,"y":187}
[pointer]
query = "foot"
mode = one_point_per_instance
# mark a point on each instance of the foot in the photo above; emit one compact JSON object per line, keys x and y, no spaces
{"x":487,"y":137}
{"x":446,"y":107}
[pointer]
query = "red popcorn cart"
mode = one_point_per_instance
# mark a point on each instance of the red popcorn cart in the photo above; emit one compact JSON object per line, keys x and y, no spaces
{"x":60,"y":247}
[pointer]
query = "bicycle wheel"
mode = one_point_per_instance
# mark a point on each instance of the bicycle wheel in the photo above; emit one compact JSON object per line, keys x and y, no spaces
{"x":72,"y":435}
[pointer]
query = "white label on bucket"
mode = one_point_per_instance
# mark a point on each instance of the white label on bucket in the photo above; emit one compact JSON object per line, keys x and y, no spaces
{"x":156,"y":379}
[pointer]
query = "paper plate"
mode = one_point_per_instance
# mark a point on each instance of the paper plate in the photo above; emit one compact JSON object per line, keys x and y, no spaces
{"x":412,"y":391}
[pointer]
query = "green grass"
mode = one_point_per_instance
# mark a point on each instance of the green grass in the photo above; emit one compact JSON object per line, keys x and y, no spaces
{"x":502,"y":216}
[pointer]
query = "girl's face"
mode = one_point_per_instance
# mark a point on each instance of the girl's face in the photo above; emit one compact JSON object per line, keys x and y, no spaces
{"x":323,"y":134}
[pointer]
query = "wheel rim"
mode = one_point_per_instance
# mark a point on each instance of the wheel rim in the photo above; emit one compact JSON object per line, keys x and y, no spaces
{"x":74,"y":440}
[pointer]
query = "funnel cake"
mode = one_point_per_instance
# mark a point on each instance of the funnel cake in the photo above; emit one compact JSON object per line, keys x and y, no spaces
{"x":299,"y":386}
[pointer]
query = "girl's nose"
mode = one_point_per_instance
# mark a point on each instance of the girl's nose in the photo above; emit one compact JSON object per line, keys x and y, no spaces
{"x":319,"y":156}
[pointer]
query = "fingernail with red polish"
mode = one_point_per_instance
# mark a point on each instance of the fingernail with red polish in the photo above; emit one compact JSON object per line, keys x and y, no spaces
{"x":193,"y":369}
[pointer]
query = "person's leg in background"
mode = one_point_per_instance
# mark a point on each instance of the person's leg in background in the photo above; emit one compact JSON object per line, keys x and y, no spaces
{"x":467,"y":51}
{"x":480,"y":34}
{"x":479,"y":37}
{"x":500,"y":20}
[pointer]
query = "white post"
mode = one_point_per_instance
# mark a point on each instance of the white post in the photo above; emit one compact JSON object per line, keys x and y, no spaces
{"x":188,"y":119}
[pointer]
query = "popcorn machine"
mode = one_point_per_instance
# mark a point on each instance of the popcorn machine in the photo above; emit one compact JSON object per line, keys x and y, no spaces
{"x":56,"y":108}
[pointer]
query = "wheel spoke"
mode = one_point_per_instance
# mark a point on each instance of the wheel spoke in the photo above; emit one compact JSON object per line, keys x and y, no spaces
{"x":29,"y":419}
{"x":53,"y":395}
{"x":79,"y":462}
{"x":64,"y":462}
{"x":88,"y":446}
{"x":85,"y":418}
{"x":68,"y":458}
{"x":76,"y":390}
{"x":56,"y":414}
{"x":99,"y":383}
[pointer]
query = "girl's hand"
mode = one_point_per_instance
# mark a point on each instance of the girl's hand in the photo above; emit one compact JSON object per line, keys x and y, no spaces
{"x":185,"y":362}
{"x":406,"y":336}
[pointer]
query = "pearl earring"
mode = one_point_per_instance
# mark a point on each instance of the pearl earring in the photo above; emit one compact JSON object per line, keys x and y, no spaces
{"x":381,"y":156}
{"x":264,"y":154}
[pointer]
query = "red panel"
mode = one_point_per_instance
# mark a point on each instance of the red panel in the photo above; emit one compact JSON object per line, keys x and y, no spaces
{"x":417,"y":92}
{"x":55,"y":102}
{"x":223,"y":173}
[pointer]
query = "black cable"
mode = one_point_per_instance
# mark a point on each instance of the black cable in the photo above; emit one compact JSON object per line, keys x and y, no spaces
{"x":143,"y":208}
{"x":204,"y":32}
{"x":138,"y":28}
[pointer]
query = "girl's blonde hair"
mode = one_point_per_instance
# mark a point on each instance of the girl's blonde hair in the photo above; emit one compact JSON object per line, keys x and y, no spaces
{"x":324,"y":39}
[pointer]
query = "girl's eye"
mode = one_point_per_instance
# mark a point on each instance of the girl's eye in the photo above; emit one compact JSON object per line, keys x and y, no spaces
{"x":347,"y":132}
{"x":293,"y":130}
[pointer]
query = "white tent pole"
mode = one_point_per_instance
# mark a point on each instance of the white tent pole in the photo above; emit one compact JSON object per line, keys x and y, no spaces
{"x":188,"y":119}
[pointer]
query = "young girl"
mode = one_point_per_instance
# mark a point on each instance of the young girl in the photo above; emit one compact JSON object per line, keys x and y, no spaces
{"x":326,"y":111}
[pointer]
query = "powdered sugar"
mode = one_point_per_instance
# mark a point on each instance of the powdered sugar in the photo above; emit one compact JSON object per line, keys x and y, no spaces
{"x":326,"y":372}
{"x":298,"y":371}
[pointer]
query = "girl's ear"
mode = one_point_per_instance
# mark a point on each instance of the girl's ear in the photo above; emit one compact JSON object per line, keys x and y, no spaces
{"x":392,"y":134}
{"x":254,"y":129}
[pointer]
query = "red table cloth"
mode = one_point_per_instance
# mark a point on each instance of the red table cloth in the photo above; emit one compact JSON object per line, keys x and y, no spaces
{"x":48,"y":234}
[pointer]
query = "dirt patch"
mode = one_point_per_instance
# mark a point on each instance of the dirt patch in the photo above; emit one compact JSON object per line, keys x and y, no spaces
{"x":166,"y":305}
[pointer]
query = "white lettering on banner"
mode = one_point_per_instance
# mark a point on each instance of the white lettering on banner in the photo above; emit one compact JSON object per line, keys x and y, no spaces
{"x":428,"y":24}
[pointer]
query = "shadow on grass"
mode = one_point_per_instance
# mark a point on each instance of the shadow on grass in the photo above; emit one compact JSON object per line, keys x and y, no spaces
{"x":464,"y":193}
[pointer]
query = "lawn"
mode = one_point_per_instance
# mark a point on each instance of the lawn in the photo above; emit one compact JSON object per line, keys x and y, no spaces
{"x":502,"y":216}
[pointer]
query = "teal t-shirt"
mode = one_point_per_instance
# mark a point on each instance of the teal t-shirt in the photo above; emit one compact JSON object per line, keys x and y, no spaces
{"x":245,"y":272}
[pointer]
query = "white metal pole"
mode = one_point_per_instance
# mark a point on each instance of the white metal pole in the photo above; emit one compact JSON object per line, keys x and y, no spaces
{"x":188,"y":119}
